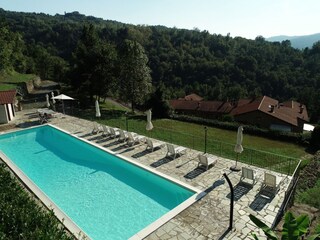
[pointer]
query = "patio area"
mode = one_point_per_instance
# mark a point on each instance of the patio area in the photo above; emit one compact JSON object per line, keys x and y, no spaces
{"x":208,"y":218}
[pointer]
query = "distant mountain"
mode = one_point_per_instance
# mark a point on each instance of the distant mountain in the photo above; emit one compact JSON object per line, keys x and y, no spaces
{"x":297,"y":41}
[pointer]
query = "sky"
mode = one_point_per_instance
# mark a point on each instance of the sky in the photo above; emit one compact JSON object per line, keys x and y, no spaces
{"x":245,"y":18}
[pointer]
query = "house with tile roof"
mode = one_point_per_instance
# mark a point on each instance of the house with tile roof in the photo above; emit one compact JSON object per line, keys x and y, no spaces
{"x":263,"y":112}
{"x":269,"y":113}
{"x":7,"y":101}
{"x":195,"y":105}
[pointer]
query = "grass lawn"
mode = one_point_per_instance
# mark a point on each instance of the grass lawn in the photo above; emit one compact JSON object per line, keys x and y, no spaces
{"x":4,"y":86}
{"x":219,"y":141}
{"x":15,"y":77}
{"x":11,"y":80}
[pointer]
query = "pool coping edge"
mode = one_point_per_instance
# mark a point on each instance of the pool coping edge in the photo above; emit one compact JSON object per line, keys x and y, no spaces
{"x":73,"y":228}
{"x":169,"y":215}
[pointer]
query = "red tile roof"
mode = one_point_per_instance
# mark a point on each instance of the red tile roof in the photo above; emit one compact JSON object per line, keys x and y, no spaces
{"x":7,"y":96}
{"x":215,"y":106}
{"x":183,"y":105}
{"x":202,"y":106}
{"x":288,"y":112}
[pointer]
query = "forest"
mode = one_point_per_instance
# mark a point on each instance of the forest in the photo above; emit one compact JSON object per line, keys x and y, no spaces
{"x":102,"y":58}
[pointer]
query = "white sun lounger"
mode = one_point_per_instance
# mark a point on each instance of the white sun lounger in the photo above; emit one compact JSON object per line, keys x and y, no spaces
{"x":105,"y":131}
{"x":123,"y":136}
{"x":206,"y":161}
{"x":248,"y":174}
{"x":114,"y":132}
{"x":134,"y":138}
{"x":96,"y":128}
{"x":152,"y":145}
{"x":270,"y":184}
{"x":174,"y":150}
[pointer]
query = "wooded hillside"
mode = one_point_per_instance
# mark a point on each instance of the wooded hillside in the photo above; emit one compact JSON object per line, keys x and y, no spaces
{"x":182,"y":61}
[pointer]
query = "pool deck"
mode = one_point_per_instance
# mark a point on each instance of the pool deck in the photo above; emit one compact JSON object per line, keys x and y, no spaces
{"x":207,"y":218}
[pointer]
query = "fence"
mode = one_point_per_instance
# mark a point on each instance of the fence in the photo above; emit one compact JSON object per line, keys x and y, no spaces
{"x":199,"y":141}
{"x":289,"y":195}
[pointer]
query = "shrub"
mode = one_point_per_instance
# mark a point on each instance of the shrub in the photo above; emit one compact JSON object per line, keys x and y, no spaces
{"x":315,"y":138}
{"x":21,"y":217}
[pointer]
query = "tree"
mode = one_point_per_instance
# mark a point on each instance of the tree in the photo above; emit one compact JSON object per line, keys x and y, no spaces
{"x":104,"y":73}
{"x":160,"y":107}
{"x":135,"y":79}
{"x":315,"y":138}
{"x":11,"y":51}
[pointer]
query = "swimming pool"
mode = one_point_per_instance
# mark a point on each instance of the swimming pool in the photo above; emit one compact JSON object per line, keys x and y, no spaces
{"x":107,"y":197}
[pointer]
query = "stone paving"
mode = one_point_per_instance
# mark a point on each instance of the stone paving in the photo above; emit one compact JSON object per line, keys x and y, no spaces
{"x":207,"y":218}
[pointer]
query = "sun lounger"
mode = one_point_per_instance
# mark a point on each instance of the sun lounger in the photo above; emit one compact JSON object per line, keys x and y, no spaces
{"x":151,"y":145}
{"x":271,"y":184}
{"x":206,"y":161}
{"x":123,"y":136}
{"x":114,"y":132}
{"x":96,"y":128}
{"x":105,"y":131}
{"x":43,"y":118}
{"x":248,"y":174}
{"x":134,"y":138}
{"x":174,"y":150}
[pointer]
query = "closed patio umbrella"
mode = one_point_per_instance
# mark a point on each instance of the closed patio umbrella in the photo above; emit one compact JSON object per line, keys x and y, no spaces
{"x":98,"y":114}
{"x":52,"y":95}
{"x":149,"y":123}
{"x":62,"y":97}
{"x":47,"y":100}
{"x":238,"y":148}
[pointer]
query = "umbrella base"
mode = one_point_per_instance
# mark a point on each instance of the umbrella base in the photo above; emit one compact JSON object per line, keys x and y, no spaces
{"x":235,"y":168}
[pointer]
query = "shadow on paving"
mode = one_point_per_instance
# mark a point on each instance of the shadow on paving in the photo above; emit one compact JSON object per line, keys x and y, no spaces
{"x":128,"y":149}
{"x":260,"y":201}
{"x":95,"y":138}
{"x":140,"y":154}
{"x":161,"y":162}
{"x":216,"y":184}
{"x":102,"y":140}
{"x":195,"y":173}
{"x":118,"y":148}
{"x":240,"y":190}
{"x":111,"y":144}
{"x":85,"y":135}
{"x":28,"y":124}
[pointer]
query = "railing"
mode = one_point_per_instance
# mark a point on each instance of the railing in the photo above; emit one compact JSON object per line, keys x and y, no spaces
{"x":289,"y":194}
{"x":266,"y":160}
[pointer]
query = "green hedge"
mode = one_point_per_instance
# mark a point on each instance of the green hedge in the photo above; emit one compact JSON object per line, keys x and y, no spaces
{"x":301,"y":138}
{"x":21,"y":217}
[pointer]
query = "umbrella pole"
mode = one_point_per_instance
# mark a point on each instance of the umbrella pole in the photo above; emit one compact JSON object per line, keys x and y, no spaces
{"x":237,"y":159}
{"x":235,"y":168}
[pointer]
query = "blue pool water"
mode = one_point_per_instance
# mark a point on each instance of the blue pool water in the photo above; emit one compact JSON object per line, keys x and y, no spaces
{"x":108,"y":198}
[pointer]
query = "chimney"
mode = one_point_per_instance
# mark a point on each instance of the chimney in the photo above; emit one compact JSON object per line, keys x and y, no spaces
{"x":301,"y":108}
{"x":271,"y":107}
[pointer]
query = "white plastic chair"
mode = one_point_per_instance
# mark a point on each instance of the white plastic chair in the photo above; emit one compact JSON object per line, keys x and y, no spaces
{"x":173,"y":151}
{"x":270,"y":184}
{"x":248,"y":174}
{"x":105,"y":131}
{"x":206,"y":161}
{"x":96,"y":128}
{"x":114,"y":132}
{"x":152,"y":145}
{"x":123,"y":136}
{"x":133,"y":139}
